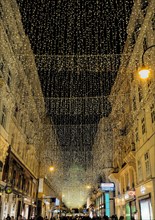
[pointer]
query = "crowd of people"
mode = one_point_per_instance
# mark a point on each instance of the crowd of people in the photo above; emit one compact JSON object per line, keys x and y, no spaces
{"x":76,"y":217}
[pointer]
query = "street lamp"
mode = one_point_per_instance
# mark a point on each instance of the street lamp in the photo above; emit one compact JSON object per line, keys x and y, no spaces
{"x":144,"y":71}
{"x":51,"y":168}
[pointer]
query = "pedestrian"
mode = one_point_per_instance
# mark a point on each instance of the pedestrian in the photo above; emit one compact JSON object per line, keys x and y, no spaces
{"x":12,"y":218}
{"x":121,"y":217}
{"x":20,"y":217}
{"x":8,"y":217}
{"x":40,"y":217}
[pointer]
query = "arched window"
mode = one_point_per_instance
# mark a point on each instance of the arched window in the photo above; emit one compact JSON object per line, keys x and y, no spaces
{"x":3,"y":118}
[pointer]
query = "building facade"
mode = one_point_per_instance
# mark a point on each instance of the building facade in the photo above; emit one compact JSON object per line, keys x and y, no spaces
{"x":22,"y":111}
{"x":133,"y":115}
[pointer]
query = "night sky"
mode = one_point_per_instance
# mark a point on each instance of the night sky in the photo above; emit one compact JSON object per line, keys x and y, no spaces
{"x":77,"y":44}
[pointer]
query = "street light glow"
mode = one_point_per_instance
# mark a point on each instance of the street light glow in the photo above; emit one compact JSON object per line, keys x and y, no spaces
{"x":51,"y":168}
{"x":144,"y":73}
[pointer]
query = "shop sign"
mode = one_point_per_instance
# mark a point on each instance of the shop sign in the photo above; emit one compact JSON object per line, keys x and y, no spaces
{"x":107,"y":186}
{"x":142,"y":189}
{"x":131,"y":193}
{"x":41,"y":182}
{"x":27,"y":200}
{"x":8,"y":189}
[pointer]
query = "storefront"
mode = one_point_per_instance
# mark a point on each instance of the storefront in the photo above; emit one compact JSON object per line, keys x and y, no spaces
{"x":120,"y":205}
{"x":146,"y":201}
{"x":146,"y":208}
{"x":130,"y":204}
{"x":130,"y":208}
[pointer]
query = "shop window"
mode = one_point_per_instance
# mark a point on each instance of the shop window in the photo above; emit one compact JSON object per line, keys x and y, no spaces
{"x":146,"y":211}
{"x":134,"y":103}
{"x":140,"y":174}
{"x":3,"y":117}
{"x":143,"y":125}
{"x":147,"y":164}
{"x":152,"y":109}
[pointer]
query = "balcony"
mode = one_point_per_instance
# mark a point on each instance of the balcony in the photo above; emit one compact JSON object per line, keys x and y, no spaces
{"x":130,"y":154}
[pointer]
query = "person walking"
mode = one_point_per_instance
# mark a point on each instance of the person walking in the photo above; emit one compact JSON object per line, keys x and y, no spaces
{"x":8,"y":217}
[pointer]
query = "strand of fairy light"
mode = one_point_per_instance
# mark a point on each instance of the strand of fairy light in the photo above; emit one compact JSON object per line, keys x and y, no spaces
{"x":61,"y":41}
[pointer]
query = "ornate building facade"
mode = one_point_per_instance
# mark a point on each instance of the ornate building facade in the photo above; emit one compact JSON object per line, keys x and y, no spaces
{"x":22,"y":114}
{"x":133,"y":118}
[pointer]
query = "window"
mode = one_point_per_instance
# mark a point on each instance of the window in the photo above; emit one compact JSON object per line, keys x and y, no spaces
{"x":2,"y":66}
{"x":133,"y":40}
{"x":137,"y":28}
{"x":16,"y":110}
{"x":136,"y":135}
{"x":21,"y":120}
{"x":140,"y":93}
{"x":1,"y":11}
{"x":12,"y":140}
{"x":153,"y":22}
{"x":147,"y":164}
{"x":134,"y":103}
{"x":144,"y":5}
{"x":140,"y":177}
{"x":3,"y":118}
{"x":145,"y":46}
{"x":132,"y":77}
{"x":9,"y":78}
{"x":152,"y":109}
{"x":143,"y":125}
{"x":149,"y":82}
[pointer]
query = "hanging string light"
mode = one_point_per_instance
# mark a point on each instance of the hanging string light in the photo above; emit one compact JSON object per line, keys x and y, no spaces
{"x":77,"y":46}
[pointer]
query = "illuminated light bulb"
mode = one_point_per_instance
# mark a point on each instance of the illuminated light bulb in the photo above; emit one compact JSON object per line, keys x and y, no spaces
{"x":51,"y":168}
{"x":144,"y":73}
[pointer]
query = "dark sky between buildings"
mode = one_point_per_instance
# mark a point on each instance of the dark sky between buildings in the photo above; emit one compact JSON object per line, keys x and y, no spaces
{"x":77,"y":45}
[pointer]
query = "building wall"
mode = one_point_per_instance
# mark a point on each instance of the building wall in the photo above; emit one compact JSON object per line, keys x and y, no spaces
{"x":133,"y":108}
{"x":21,"y":112}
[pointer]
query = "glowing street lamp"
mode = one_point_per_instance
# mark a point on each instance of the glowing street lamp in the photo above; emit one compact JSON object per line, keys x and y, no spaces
{"x":144,"y":72}
{"x":88,"y":186}
{"x":51,"y":168}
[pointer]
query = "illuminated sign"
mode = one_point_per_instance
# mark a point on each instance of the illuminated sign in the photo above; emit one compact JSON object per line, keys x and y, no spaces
{"x":142,"y":189}
{"x":8,"y":190}
{"x":107,"y":186}
{"x":131,"y":193}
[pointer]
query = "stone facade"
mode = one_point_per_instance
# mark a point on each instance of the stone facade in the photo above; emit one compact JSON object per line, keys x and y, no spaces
{"x":133,"y":119}
{"x":22,"y":116}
